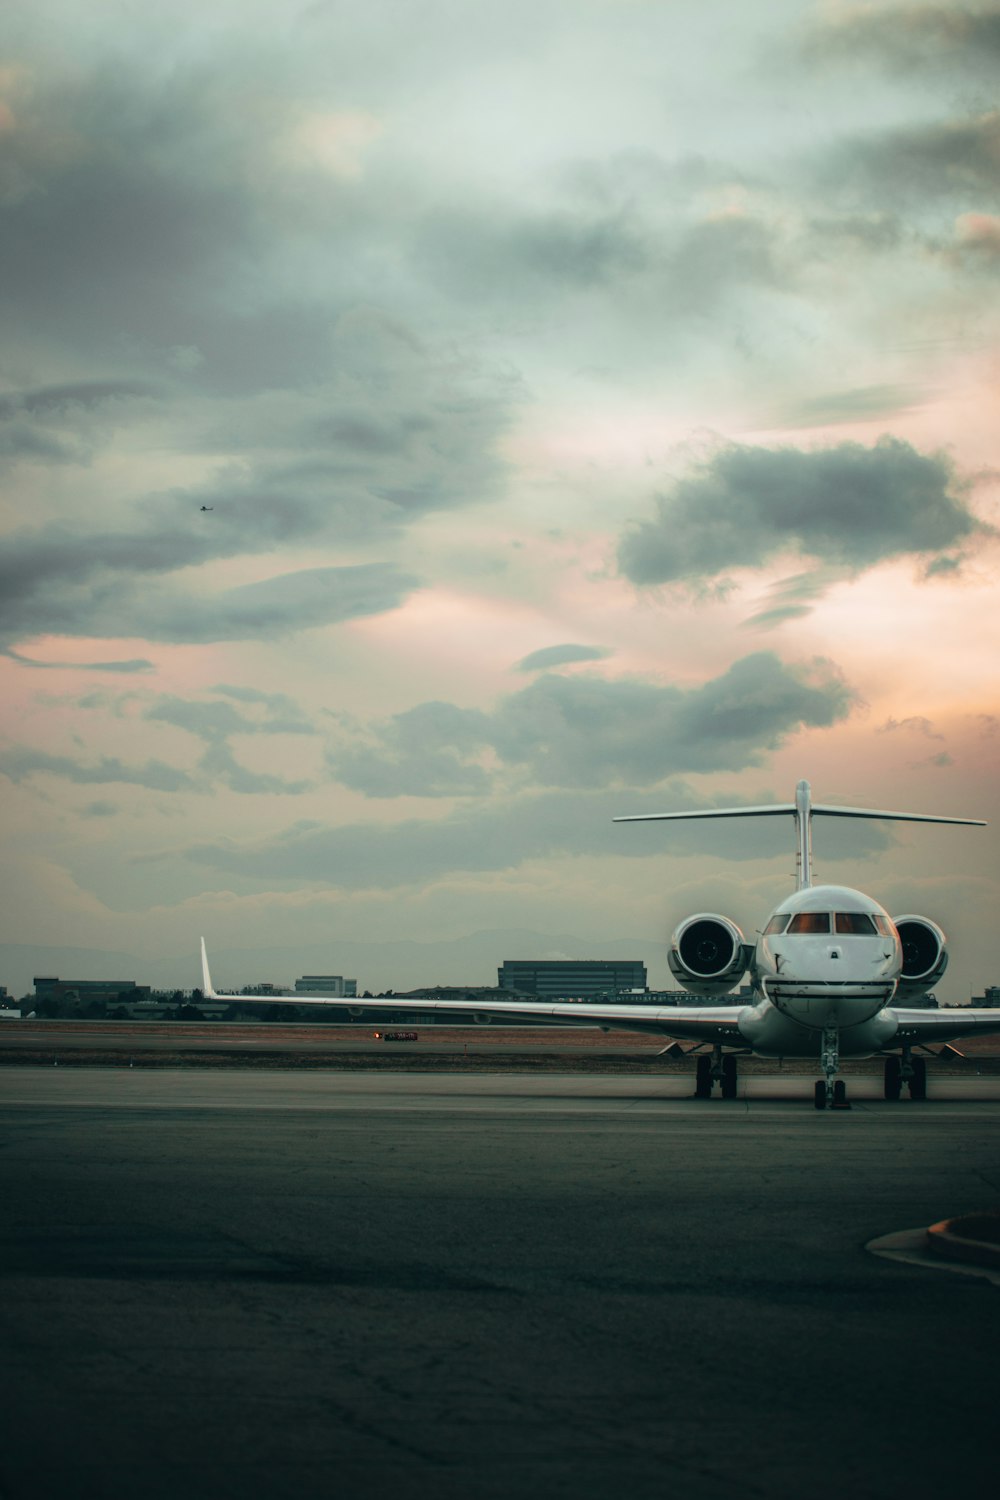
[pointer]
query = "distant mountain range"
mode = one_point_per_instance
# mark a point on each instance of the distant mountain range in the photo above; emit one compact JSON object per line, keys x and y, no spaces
{"x":402,"y":964}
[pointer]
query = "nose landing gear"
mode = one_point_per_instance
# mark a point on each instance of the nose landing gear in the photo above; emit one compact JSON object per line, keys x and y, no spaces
{"x":830,"y":1093}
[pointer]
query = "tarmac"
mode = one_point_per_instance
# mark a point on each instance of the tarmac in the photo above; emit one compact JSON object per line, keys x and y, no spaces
{"x":303,"y":1283}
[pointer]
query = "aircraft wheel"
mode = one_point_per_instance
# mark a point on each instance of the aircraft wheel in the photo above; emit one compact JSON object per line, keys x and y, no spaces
{"x":703,"y":1077}
{"x":840,"y":1095}
{"x":820,"y":1093}
{"x":729,"y":1076}
{"x":893,"y":1078}
{"x":918,"y":1080}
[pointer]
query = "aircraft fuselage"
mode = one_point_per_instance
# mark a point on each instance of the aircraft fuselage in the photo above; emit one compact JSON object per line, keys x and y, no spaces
{"x":828,"y":956}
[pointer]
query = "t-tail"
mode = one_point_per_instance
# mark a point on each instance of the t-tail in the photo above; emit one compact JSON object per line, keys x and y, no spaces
{"x":803,"y":810}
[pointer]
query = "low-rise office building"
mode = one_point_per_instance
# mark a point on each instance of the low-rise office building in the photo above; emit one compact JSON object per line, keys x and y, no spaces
{"x":326,"y":984}
{"x":571,"y":979}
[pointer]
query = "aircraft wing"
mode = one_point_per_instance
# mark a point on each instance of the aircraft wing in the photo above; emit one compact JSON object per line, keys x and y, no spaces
{"x":948,"y":1024}
{"x":698,"y":1023}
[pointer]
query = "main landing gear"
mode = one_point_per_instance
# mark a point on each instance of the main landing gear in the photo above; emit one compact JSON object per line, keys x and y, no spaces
{"x":831,"y":1092}
{"x":905,"y":1069}
{"x":719,"y":1067}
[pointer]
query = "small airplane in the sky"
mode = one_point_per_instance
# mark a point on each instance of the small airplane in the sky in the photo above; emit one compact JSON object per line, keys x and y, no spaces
{"x":831,"y":975}
{"x":208,"y":507}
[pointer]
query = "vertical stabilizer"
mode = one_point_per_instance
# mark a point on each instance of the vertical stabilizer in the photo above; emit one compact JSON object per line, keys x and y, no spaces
{"x":803,"y":835}
{"x":206,"y":978}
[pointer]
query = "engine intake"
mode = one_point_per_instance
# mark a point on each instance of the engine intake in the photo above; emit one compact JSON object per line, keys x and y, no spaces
{"x":708,"y":954}
{"x":924,"y":956}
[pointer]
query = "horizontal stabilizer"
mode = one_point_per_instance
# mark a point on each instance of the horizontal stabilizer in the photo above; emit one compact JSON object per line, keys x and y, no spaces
{"x":774,"y":809}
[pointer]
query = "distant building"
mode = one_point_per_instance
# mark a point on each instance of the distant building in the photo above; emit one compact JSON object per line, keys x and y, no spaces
{"x":990,"y":996}
{"x":326,"y":984}
{"x":67,"y":995}
{"x":571,"y":979}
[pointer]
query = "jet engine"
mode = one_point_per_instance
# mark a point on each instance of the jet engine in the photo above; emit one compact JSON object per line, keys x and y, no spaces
{"x":708,"y":954}
{"x":924,"y":956}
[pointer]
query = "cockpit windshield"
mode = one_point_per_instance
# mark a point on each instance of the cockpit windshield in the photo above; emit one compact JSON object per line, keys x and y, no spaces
{"x":810,"y":921}
{"x":846,"y":923}
{"x":854,"y":921}
{"x":778,"y":923}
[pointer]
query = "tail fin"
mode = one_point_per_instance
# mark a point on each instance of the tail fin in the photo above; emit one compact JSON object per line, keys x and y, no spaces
{"x":803,"y":810}
{"x":206,"y":978}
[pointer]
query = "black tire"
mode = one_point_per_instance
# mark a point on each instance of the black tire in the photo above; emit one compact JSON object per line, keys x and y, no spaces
{"x":730,"y":1077}
{"x":840,"y":1094}
{"x":918,"y":1082}
{"x":893,"y":1078}
{"x":703,"y":1078}
{"x":820,"y":1093}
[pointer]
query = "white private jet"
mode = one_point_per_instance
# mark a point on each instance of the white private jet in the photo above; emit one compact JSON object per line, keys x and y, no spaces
{"x":826,"y":973}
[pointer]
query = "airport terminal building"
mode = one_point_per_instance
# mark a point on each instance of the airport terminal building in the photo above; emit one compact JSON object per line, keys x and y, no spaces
{"x":569,"y":979}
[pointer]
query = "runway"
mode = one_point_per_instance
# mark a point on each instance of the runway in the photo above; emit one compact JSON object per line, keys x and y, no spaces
{"x":298,"y":1284}
{"x":504,"y":1092}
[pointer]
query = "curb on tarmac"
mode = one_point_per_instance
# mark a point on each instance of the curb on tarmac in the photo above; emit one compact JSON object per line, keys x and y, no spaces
{"x":972,"y":1238}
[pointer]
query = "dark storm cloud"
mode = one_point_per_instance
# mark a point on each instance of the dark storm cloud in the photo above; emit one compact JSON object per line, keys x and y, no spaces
{"x":847,"y":505}
{"x":20,"y":762}
{"x":559,"y":656}
{"x":504,"y":834}
{"x":585,"y":732}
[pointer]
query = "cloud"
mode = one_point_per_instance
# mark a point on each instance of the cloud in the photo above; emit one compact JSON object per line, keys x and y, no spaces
{"x":100,"y":809}
{"x":214,"y":721}
{"x":793,"y":598}
{"x":585,"y":732}
{"x":916,"y":723}
{"x":560,"y":656}
{"x":846,"y":506}
{"x":302,"y":600}
{"x":282,"y":714}
{"x":65,"y":581}
{"x":504,"y":834}
{"x":950,"y":159}
{"x":977,"y":242}
{"x":132,"y":664}
{"x":19,"y":763}
{"x":909,"y":37}
{"x":670,"y":256}
{"x":219,"y":764}
{"x":861,"y":404}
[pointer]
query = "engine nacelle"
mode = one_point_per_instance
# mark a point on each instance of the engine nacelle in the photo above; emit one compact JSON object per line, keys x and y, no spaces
{"x":708,"y":955}
{"x":924,"y":956}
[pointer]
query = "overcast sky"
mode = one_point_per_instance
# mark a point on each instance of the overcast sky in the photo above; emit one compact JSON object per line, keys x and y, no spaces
{"x":429,"y":428}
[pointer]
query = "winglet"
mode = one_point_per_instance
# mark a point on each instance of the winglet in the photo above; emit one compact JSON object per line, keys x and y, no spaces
{"x":206,"y":978}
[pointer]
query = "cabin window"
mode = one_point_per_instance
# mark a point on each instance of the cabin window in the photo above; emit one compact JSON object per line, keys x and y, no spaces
{"x":810,"y":921}
{"x":778,"y":923}
{"x":854,"y":921}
